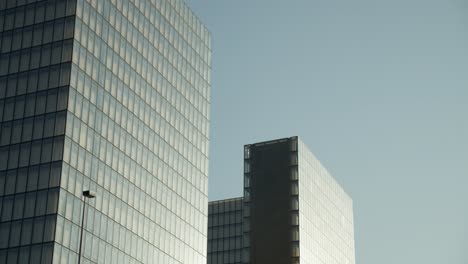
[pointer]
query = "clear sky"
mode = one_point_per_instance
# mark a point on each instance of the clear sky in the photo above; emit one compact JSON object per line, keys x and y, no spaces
{"x":377,"y":89}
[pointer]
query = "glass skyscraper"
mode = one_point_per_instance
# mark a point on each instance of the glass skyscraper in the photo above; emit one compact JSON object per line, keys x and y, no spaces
{"x":111,"y":96}
{"x":293,"y":211}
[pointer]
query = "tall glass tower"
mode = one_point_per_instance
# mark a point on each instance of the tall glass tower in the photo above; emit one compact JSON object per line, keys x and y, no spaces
{"x":111,"y":96}
{"x":293,"y":211}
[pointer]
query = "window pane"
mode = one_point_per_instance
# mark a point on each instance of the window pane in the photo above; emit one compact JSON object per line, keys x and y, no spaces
{"x":15,"y":234}
{"x":38,"y":230}
{"x":41,"y":203}
{"x":49,"y":125}
{"x":19,"y":207}
{"x":21,"y":180}
{"x":46,"y":154}
{"x":44,"y":172}
{"x":38,"y":127}
{"x":29,"y":205}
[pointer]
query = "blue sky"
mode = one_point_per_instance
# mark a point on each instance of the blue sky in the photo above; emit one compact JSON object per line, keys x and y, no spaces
{"x":378,"y":90}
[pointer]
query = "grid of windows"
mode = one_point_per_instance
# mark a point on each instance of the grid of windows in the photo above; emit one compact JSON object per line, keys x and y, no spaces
{"x":111,"y":96}
{"x":137,"y":134}
{"x":325,"y":214}
{"x":225,"y":231}
{"x":321,"y":213}
{"x":36,"y":40}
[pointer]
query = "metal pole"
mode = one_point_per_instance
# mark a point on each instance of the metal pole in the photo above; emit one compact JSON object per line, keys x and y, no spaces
{"x":82,"y":228}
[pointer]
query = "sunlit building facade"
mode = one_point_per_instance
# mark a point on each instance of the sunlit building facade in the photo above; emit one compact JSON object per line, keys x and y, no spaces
{"x":293,"y":210}
{"x":111,"y":96}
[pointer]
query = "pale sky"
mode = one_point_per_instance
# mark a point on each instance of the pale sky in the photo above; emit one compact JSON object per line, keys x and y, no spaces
{"x":377,"y":89}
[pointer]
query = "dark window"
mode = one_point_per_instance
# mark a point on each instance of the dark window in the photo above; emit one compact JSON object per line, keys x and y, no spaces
{"x":69,"y":27}
{"x":3,"y":158}
{"x":40,"y":11}
{"x":22,"y":180}
{"x":58,"y":29}
{"x":27,"y":129}
{"x":29,"y":205}
{"x":50,"y":10}
{"x":49,"y":125}
{"x":45,"y":55}
{"x":16,"y":40}
{"x":36,"y":252}
{"x":46,"y":154}
{"x":41,"y":203}
{"x":44,"y":172}
{"x":10,"y":182}
{"x":22,"y":83}
{"x":38,"y":127}
{"x":30,"y":105}
{"x":6,"y":133}
{"x":4,"y":234}
{"x":23,"y":257}
{"x":56,"y":53}
{"x":38,"y":230}
{"x":19,"y":107}
{"x":19,"y":207}
{"x":35,"y":57}
{"x":60,"y":123}
{"x":55,"y":171}
{"x":65,"y":74}
{"x":7,"y":208}
{"x":4,"y":60}
{"x":71,"y":7}
{"x":29,"y":17}
{"x":11,"y":87}
{"x":41,"y":102}
{"x":16,"y":132}
{"x":54,"y":76}
{"x":14,"y":62}
{"x":58,"y":149}
{"x":60,"y":8}
{"x":24,"y":62}
{"x":9,"y":20}
{"x":24,"y":155}
{"x":35,"y":153}
{"x":13,"y":157}
{"x":62,"y":98}
{"x":48,"y":32}
{"x":15,"y":235}
{"x":47,"y":251}
{"x":8,"y":110}
{"x":52,"y":201}
{"x":37,"y":35}
{"x":67,"y":51}
{"x":27,"y":37}
{"x":19,"y":17}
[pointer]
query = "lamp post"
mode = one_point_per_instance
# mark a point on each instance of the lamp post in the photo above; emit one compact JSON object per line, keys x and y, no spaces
{"x":90,"y":195}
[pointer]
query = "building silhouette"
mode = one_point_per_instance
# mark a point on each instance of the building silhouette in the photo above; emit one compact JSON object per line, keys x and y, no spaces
{"x":292,"y":211}
{"x":111,"y":96}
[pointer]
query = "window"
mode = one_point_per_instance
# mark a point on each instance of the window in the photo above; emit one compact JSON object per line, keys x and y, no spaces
{"x":27,"y":230}
{"x":38,"y":230}
{"x":29,"y":204}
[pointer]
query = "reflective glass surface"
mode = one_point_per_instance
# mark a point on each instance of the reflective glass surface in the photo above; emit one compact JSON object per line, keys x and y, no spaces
{"x":225,"y":231}
{"x":111,"y":96}
{"x":137,"y":134}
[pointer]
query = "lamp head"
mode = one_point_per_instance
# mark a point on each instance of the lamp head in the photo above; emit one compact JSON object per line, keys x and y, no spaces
{"x":89,"y":194}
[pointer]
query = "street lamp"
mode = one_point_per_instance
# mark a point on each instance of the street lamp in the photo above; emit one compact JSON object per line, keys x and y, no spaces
{"x":90,"y":195}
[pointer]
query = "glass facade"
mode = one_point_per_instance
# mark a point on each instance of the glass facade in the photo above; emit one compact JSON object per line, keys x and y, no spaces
{"x":111,"y":96}
{"x":326,"y":227}
{"x":225,"y":231}
{"x":36,"y":40}
{"x":293,"y":210}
